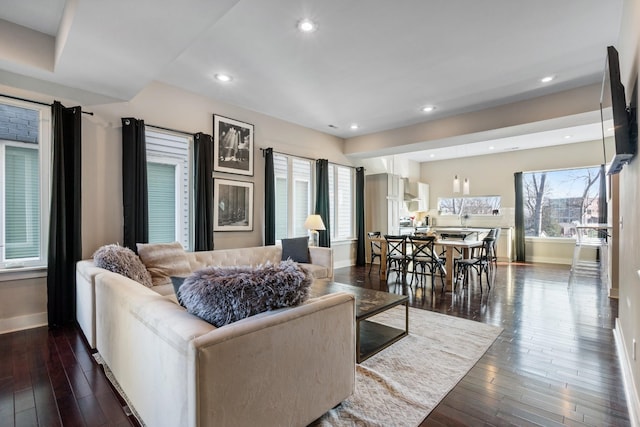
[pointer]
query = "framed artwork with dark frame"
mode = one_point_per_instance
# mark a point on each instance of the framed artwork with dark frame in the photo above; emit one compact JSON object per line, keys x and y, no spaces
{"x":233,"y":205}
{"x":232,"y":146}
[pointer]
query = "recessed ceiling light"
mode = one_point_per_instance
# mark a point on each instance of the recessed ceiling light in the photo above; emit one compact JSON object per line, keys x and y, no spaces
{"x":492,"y":147}
{"x":307,"y":26}
{"x":547,"y":79}
{"x":428,"y":108}
{"x":567,"y":137}
{"x":221,"y":77}
{"x":432,"y":155}
{"x":354,"y":126}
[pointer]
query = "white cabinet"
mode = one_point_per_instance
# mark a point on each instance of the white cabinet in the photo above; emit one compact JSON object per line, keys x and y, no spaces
{"x":504,"y":245}
{"x":416,"y":196}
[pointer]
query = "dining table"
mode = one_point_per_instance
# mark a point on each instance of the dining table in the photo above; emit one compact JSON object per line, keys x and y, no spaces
{"x":464,"y":246}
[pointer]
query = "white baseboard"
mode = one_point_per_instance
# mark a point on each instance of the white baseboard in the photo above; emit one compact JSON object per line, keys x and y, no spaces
{"x":549,"y":260}
{"x":633,"y":399}
{"x":343,"y":263}
{"x":19,"y":323}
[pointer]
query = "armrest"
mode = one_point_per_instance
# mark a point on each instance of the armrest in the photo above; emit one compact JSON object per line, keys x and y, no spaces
{"x":286,"y":368}
{"x":322,"y":256}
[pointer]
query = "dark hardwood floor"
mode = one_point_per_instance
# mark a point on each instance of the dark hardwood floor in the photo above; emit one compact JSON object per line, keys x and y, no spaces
{"x":555,"y":363}
{"x":49,"y":378}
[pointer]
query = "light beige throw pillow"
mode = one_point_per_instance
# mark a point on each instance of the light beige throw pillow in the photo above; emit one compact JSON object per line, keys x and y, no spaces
{"x":164,"y":260}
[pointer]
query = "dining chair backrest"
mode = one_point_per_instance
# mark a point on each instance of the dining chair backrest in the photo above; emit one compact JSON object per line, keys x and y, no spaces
{"x":496,"y":233}
{"x":396,"y":245}
{"x":487,"y":247}
{"x":375,"y":246}
{"x":422,"y":247}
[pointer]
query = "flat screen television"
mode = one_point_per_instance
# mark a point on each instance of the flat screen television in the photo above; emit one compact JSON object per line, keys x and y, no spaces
{"x":616,"y":115}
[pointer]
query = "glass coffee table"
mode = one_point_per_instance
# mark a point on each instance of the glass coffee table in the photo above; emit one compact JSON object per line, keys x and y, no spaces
{"x":371,"y":337}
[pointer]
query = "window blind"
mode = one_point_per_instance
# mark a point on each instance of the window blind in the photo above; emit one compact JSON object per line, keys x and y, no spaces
{"x":22,"y":203}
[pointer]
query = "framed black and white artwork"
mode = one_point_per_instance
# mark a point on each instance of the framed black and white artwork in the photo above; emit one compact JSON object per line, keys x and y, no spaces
{"x":232,"y":205}
{"x":232,"y":146}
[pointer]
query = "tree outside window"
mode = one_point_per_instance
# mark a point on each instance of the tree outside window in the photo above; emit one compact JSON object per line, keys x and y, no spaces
{"x":555,"y":201}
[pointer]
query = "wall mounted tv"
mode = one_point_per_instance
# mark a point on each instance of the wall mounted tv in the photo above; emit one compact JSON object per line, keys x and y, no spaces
{"x":615,"y":114}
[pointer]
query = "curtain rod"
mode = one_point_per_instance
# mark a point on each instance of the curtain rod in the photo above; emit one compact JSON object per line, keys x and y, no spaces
{"x":17,"y":98}
{"x":170,"y":130}
{"x":307,"y":158}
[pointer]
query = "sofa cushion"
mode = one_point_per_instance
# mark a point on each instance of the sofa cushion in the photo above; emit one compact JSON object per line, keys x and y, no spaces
{"x":296,"y":249}
{"x":317,"y":271}
{"x":164,"y":260}
{"x":124,"y":261}
{"x":222,"y":295}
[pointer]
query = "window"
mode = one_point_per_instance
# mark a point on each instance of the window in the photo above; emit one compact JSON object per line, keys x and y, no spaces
{"x":554,"y":201}
{"x":483,"y":205}
{"x":341,"y":202}
{"x":169,"y":186}
{"x":293,"y":195}
{"x":24,"y":184}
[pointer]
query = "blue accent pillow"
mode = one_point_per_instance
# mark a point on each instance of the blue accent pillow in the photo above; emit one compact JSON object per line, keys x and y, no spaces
{"x":177,"y":282}
{"x":296,"y":249}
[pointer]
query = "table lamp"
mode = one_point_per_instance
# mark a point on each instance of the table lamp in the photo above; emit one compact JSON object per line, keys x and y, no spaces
{"x":313,"y":224}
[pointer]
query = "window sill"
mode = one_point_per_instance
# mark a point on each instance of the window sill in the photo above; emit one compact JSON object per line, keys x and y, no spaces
{"x":567,"y":240}
{"x":12,"y":274}
{"x":343,"y":242}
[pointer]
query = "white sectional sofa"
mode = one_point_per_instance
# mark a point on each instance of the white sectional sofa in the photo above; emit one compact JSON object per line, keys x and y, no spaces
{"x":321,"y":266}
{"x":284,"y":367}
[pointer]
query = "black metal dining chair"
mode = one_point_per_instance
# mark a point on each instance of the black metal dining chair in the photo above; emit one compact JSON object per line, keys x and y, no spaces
{"x":397,"y":259}
{"x":375,"y":250}
{"x":480,"y":262}
{"x":426,"y":262}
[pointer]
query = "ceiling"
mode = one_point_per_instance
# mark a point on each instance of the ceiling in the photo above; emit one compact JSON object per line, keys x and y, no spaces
{"x":374,"y":63}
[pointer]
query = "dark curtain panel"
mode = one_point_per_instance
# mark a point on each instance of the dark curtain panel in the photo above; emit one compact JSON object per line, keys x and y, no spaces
{"x":602,"y":201}
{"x":520,"y":255}
{"x":65,"y":240}
{"x":134,"y":183}
{"x":203,"y":203}
{"x":360,"y":249}
{"x":269,"y":199}
{"x":322,"y":200}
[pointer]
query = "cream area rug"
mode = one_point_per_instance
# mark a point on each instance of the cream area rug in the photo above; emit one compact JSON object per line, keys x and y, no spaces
{"x":402,"y":384}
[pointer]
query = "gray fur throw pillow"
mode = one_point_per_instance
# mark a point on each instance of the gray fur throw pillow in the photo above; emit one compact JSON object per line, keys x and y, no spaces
{"x":222,"y":295}
{"x":123,"y":261}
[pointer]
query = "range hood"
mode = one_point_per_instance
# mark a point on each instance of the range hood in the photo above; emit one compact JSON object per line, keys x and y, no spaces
{"x":416,"y":195}
{"x":410,"y":190}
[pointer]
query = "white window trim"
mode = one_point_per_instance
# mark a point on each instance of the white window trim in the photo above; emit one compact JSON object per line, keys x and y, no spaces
{"x":169,"y":158}
{"x":291,"y":225}
{"x":291,"y":192}
{"x":25,"y":269}
{"x":336,"y":211}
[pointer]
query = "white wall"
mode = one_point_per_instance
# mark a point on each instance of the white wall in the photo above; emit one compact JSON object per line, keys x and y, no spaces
{"x":628,"y":325}
{"x":492,"y":175}
{"x":23,"y":302}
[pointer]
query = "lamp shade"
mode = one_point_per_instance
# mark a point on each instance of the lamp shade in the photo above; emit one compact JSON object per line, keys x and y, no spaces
{"x":314,"y":222}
